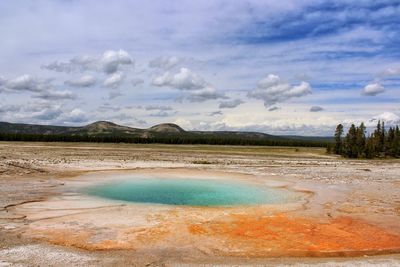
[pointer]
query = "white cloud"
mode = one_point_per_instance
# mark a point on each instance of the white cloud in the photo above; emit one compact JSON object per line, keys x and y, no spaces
{"x":373,"y":89}
{"x":185,"y":79}
{"x":109,"y":62}
{"x":83,"y":81}
{"x":272,"y":90}
{"x":316,"y":109}
{"x":388,"y":117}
{"x":114,"y":80}
{"x":75,"y":116}
{"x":56,"y":95}
{"x":230,"y":103}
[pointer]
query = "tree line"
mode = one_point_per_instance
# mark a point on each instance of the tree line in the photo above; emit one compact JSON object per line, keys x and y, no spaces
{"x":356,"y":144}
{"x":164,"y":139}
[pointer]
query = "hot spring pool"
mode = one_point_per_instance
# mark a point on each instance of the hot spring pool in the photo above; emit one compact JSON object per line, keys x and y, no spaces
{"x":190,"y":192}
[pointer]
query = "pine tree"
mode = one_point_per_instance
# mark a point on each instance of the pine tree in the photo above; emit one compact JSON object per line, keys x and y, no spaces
{"x":389,"y":142}
{"x":338,"y":149}
{"x":360,"y":140}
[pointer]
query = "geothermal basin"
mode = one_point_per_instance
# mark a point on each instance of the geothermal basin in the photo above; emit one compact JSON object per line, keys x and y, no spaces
{"x":198,"y":214}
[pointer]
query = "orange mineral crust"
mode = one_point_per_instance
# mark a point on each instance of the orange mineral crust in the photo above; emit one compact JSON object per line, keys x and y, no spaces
{"x":279,"y":235}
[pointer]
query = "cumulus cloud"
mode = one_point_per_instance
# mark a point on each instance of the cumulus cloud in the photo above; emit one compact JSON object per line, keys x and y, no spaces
{"x":109,"y":62}
{"x":185,"y":79}
{"x":137,"y":82}
{"x":165,"y":63}
{"x":316,"y":109}
{"x":373,"y":89}
{"x":155,"y":107}
{"x":230,"y":103}
{"x":112,"y":60}
{"x":388,"y":117}
{"x":83,"y":81}
{"x":26,"y":82}
{"x":56,"y":95}
{"x":114,"y":80}
{"x":272,"y":90}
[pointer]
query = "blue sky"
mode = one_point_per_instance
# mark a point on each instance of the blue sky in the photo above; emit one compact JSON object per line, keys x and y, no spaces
{"x":281,"y":67}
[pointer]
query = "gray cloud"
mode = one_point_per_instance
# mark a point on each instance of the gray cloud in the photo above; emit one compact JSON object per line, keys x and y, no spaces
{"x":48,"y":113}
{"x":26,"y":82}
{"x":83,"y":81}
{"x":272,"y":90}
{"x":109,"y":62}
{"x":316,"y":109}
{"x":373,"y":89}
{"x":215,"y":113}
{"x":56,"y":95}
{"x":9,"y":108}
{"x":230,"y":103}
{"x":155,"y":107}
{"x":393,"y":71}
{"x":108,"y":107}
{"x":165,"y":63}
{"x":162,"y":113}
{"x":114,"y":94}
{"x":59,"y":67}
{"x":273,"y":108}
{"x":137,"y":82}
{"x":207,"y":93}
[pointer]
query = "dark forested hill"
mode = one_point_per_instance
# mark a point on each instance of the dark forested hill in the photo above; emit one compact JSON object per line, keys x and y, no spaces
{"x":104,"y":131}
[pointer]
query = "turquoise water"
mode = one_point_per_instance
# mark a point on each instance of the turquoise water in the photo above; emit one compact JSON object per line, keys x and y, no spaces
{"x":190,"y":192}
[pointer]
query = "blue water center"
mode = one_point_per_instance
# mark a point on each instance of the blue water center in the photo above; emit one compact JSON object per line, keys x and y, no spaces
{"x":190,"y":192}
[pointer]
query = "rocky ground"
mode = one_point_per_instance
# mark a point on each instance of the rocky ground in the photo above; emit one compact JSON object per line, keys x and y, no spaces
{"x":351,"y":208}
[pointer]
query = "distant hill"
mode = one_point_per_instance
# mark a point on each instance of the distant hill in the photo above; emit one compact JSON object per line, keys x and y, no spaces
{"x":166,"y":132}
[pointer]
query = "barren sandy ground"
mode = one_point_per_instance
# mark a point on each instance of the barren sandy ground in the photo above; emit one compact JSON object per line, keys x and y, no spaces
{"x":348,"y":214}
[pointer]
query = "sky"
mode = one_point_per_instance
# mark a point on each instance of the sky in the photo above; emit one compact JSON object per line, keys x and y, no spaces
{"x":280,"y":67}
